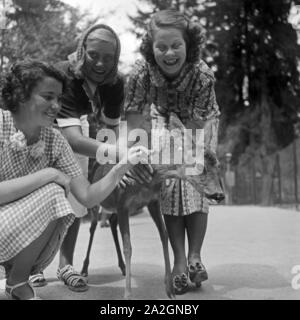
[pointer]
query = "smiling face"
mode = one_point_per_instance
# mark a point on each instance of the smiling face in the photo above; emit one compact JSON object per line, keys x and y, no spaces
{"x":99,"y":59}
{"x":169,"y":50}
{"x":44,"y":102}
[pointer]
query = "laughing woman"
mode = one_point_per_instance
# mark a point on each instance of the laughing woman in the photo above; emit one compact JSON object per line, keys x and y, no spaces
{"x":37,"y":170}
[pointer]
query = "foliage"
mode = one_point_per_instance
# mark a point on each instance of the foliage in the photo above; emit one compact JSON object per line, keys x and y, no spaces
{"x":45,"y":30}
{"x":253,"y":50}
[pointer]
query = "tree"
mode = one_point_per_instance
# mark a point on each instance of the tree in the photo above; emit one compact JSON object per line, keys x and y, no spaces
{"x":45,"y":30}
{"x":253,"y":50}
{"x":190,"y":7}
{"x":257,"y":76}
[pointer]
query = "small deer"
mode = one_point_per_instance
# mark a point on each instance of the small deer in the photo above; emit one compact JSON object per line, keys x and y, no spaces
{"x":127,"y":201}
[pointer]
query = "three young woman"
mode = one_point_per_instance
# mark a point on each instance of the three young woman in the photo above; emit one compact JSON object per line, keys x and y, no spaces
{"x":171,"y":78}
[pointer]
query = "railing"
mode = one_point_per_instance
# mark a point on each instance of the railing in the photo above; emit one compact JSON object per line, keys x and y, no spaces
{"x":278,"y":183}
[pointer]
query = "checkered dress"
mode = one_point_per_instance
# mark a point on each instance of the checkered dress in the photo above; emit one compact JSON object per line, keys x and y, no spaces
{"x":24,"y":220}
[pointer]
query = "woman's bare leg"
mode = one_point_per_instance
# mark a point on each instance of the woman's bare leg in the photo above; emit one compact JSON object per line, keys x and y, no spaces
{"x":196,"y":225}
{"x":176,"y":230}
{"x":68,"y":246}
{"x":23,"y":262}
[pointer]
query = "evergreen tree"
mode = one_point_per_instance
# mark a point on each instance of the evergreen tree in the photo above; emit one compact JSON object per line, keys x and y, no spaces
{"x":256,"y":53}
{"x":190,"y":7}
{"x":253,"y":50}
{"x":45,"y":30}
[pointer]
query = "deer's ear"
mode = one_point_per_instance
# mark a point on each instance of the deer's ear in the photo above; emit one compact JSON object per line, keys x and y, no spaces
{"x":195,"y":124}
{"x":175,"y":122}
{"x":155,"y":114}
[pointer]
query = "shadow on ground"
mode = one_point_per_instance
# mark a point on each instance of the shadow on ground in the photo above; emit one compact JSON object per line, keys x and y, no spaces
{"x":251,"y":281}
{"x":148,"y":283}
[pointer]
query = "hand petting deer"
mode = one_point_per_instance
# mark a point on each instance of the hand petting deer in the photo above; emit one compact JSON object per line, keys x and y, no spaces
{"x":125,"y":201}
{"x":179,"y":87}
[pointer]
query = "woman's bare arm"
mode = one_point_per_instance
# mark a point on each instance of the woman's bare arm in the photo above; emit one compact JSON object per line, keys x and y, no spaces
{"x":14,"y":189}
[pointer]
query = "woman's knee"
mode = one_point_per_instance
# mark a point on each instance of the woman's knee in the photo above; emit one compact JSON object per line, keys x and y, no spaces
{"x":55,"y":189}
{"x":196,"y":215}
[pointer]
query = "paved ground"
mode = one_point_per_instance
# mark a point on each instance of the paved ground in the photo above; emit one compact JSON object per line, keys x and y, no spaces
{"x":249,"y":253}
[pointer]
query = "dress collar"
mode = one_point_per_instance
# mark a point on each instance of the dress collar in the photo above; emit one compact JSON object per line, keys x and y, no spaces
{"x":180,"y":83}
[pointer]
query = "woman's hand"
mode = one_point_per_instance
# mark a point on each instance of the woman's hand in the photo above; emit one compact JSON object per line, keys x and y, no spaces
{"x":135,"y":155}
{"x":140,"y":173}
{"x":63,"y":180}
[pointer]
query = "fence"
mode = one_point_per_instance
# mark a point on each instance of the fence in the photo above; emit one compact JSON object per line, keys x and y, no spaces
{"x":283,"y":183}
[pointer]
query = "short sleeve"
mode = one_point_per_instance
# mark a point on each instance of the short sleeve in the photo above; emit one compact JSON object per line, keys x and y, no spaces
{"x":211,"y":134}
{"x":74,"y":101}
{"x":64,"y":159}
{"x":6,"y":124}
{"x":113,"y":99}
{"x":136,"y":94}
{"x":205,"y":107}
{"x":1,"y":128}
{"x":204,"y":103}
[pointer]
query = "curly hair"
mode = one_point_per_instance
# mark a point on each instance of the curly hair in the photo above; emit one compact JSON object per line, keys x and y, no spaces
{"x":22,"y":78}
{"x":193,"y":34}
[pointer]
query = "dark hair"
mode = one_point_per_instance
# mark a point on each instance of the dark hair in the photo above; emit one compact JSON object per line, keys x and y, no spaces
{"x":192,"y":33}
{"x":22,"y":78}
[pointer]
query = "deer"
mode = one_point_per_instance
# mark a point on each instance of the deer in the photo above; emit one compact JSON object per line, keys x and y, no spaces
{"x":126,"y":201}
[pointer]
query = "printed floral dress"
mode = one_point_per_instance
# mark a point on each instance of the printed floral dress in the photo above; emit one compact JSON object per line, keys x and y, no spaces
{"x":192,"y":97}
{"x":24,"y":220}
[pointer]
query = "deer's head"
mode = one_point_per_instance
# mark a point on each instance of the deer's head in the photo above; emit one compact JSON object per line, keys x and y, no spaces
{"x":182,"y":154}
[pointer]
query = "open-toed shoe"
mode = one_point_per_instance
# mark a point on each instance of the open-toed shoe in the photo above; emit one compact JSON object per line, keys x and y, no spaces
{"x":38,"y":280}
{"x":9,"y":291}
{"x":180,"y":283}
{"x":197,"y":273}
{"x":73,"y":279}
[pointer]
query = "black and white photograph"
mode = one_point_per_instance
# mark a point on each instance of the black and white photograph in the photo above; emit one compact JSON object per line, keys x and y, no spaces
{"x":149,"y":151}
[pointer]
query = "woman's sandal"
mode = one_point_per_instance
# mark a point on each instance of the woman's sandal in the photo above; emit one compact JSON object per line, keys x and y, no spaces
{"x":9,"y":291}
{"x":38,"y":280}
{"x":180,"y":283}
{"x":73,"y":279}
{"x":197,"y":273}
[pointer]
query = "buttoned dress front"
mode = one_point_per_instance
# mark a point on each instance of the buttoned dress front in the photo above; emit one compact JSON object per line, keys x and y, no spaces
{"x":24,"y":220}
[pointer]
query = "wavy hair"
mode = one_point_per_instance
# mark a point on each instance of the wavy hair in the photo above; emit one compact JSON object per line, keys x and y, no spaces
{"x":19,"y":82}
{"x":193,"y":34}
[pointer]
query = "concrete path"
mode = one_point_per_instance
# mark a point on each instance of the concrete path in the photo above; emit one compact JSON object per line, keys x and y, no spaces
{"x":250,"y":253}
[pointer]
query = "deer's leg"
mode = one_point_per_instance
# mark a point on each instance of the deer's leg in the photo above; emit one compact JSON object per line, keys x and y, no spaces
{"x":123,"y":218}
{"x":94,"y":221}
{"x":154,"y":210}
{"x":113,"y":221}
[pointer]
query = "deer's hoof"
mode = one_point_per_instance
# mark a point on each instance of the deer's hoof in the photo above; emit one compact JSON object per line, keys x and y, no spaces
{"x":84,"y":274}
{"x":123,"y":270}
{"x":128,"y":296}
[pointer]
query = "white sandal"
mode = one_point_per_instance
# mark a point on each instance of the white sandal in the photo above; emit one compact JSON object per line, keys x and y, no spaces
{"x":73,"y":279}
{"x":9,"y":291}
{"x":38,"y":280}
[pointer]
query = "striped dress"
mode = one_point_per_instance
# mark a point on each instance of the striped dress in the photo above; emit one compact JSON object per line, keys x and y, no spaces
{"x":24,"y":220}
{"x":191,"y":96}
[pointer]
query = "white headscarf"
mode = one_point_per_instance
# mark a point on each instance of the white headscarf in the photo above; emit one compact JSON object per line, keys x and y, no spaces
{"x":101,"y":32}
